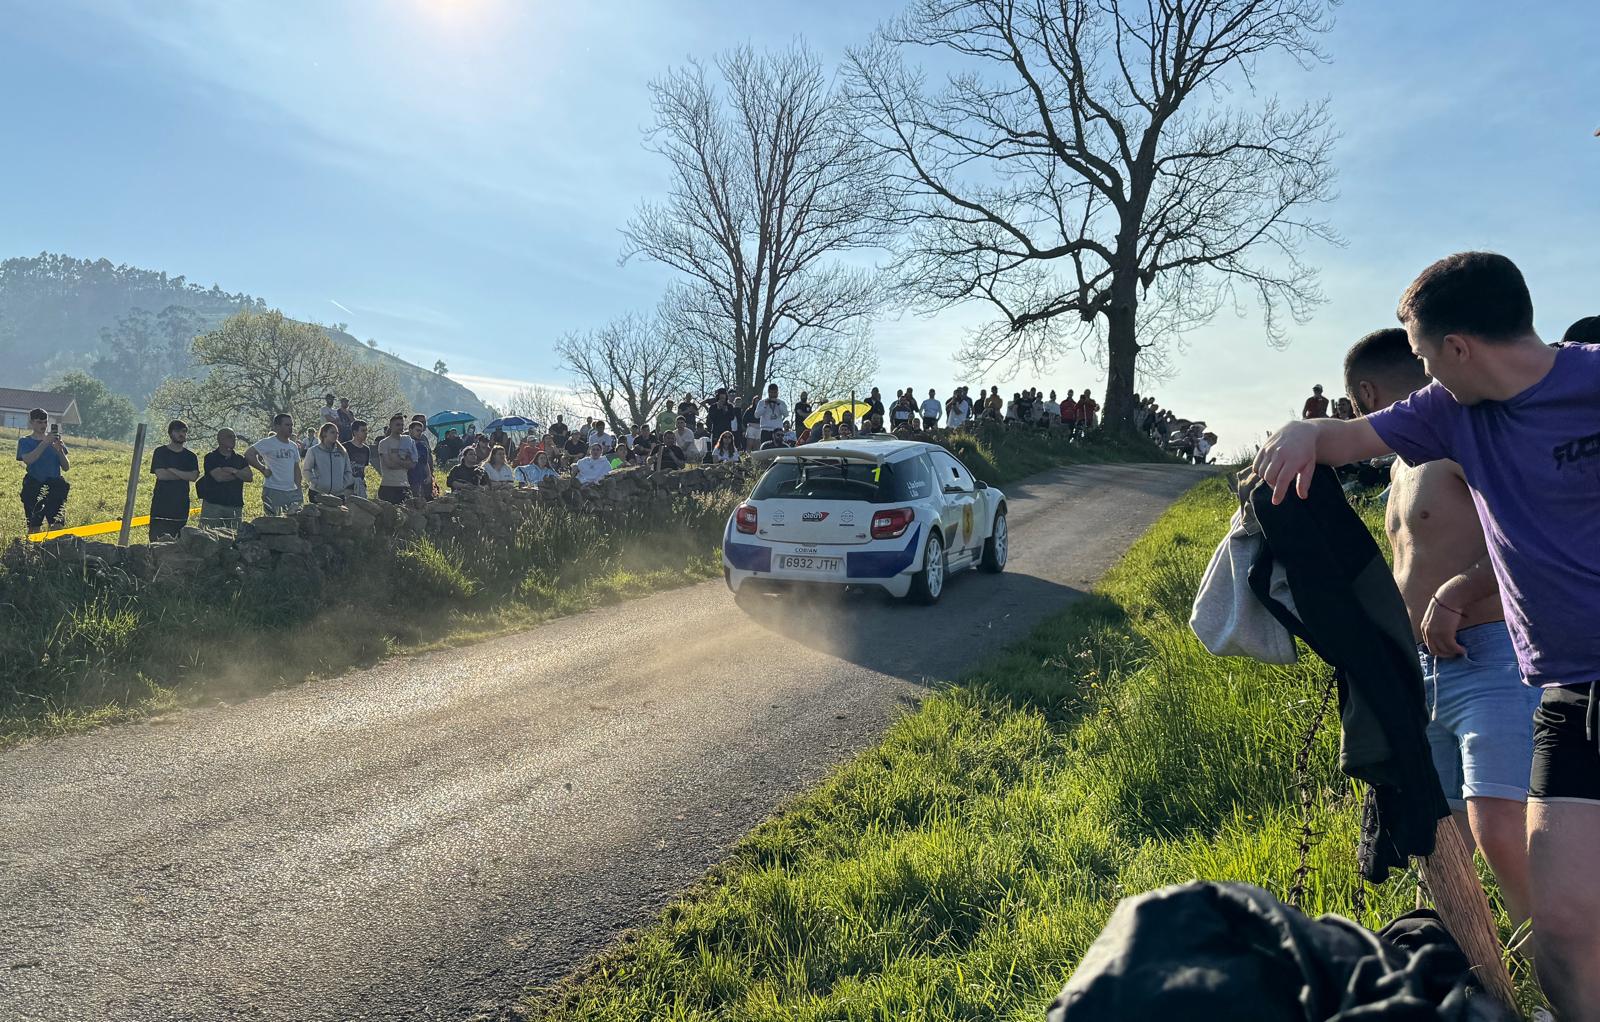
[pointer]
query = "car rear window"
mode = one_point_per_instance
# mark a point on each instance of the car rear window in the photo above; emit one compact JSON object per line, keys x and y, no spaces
{"x":845,"y":480}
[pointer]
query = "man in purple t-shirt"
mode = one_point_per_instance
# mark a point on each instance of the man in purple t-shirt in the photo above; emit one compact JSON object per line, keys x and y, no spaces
{"x":1523,"y":421}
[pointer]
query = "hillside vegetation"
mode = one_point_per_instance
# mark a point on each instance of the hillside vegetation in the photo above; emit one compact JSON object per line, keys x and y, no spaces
{"x":960,"y":869}
{"x":131,"y":328}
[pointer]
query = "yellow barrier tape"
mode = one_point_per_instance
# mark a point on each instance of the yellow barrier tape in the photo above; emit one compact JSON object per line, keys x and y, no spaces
{"x":98,"y":529}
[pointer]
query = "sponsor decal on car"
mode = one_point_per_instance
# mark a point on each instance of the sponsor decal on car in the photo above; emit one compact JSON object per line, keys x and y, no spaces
{"x":814,"y":516}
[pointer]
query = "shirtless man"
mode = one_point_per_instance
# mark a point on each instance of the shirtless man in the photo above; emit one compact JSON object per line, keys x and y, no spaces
{"x":1521,"y":418}
{"x":1481,"y":726}
{"x":1316,"y":406}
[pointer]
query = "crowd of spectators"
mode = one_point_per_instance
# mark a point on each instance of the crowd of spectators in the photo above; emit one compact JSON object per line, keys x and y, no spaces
{"x":336,"y":455}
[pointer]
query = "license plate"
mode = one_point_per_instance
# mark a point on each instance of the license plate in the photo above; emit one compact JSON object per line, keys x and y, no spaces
{"x":804,"y":562}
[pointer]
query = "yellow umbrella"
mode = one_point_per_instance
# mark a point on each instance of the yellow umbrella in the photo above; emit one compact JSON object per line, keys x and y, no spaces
{"x":838,"y":408}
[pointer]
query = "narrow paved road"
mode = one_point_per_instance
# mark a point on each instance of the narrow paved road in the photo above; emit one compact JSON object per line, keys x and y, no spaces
{"x":424,"y":839}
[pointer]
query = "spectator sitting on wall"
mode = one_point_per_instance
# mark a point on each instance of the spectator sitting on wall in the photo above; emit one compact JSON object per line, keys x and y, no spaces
{"x":497,"y":468}
{"x":536,"y":471}
{"x":221,"y":484}
{"x":668,"y":454}
{"x":685,"y":437}
{"x":725,"y":450}
{"x":174,"y":467}
{"x":594,"y":467}
{"x":624,"y":454}
{"x":44,"y":458}
{"x":327,"y":464}
{"x":467,"y":474}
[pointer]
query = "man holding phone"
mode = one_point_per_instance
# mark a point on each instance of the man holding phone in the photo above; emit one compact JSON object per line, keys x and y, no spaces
{"x":44,"y":490}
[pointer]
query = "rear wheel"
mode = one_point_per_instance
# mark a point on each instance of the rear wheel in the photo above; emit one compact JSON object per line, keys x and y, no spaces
{"x":997,"y":546}
{"x":928,"y":584}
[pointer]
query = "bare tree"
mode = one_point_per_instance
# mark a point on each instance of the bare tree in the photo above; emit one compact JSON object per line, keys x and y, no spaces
{"x":1083,"y":174}
{"x":835,"y":371}
{"x":629,"y":367}
{"x":540,"y":403}
{"x":770,"y":187}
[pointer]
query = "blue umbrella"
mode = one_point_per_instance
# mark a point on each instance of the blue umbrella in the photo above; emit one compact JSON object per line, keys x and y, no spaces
{"x":512,"y":424}
{"x":438,"y":422}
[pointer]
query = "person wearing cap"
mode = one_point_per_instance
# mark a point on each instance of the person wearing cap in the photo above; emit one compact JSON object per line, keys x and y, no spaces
{"x":1316,"y":406}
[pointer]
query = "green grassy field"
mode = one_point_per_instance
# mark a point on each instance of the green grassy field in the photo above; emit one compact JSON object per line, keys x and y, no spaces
{"x":959,"y":870}
{"x":77,"y":651}
{"x":99,"y":478}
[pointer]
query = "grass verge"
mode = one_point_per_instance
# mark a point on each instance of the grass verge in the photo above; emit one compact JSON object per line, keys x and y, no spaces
{"x":960,"y":869}
{"x":78,"y":650}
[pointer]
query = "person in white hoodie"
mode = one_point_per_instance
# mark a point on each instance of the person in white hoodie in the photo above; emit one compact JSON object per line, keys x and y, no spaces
{"x":593,"y":468}
{"x":327,"y":464}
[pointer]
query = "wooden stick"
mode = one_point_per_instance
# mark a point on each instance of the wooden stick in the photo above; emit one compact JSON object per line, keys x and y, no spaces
{"x":1464,"y":909}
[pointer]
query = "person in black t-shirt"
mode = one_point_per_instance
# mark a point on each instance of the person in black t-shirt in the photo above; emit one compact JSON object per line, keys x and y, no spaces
{"x":575,"y":447}
{"x":875,"y":403}
{"x":720,"y":415}
{"x":668,"y":455}
{"x":688,"y":409}
{"x":802,"y":410}
{"x":360,"y":457}
{"x":174,"y":467}
{"x":221,"y":484}
{"x":467,"y":473}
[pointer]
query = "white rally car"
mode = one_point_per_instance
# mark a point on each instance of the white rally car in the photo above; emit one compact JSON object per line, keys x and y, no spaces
{"x":892,"y":514}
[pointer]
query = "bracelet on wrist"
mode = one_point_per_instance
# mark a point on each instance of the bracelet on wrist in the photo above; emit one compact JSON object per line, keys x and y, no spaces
{"x":1446,"y":606}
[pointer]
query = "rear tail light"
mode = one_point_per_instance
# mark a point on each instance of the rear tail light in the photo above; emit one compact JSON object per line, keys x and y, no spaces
{"x":744,"y":519}
{"x":892,"y":524}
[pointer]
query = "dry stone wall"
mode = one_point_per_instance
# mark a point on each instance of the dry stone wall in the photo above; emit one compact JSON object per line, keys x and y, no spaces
{"x":331,"y":534}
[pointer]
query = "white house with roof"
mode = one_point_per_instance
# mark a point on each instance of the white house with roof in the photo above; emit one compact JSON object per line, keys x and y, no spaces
{"x":16,"y":404}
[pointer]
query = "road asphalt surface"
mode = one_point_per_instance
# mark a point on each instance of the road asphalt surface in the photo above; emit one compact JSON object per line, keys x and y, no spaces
{"x":427,"y":838}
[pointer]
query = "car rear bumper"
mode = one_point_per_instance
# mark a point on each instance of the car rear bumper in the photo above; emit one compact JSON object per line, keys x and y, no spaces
{"x":887,"y":565}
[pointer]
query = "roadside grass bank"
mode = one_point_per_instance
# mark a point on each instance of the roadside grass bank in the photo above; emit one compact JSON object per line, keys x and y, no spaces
{"x":960,"y":869}
{"x":81,"y":648}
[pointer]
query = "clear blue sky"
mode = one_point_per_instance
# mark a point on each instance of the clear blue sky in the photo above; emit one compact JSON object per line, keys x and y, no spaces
{"x":453,"y":173}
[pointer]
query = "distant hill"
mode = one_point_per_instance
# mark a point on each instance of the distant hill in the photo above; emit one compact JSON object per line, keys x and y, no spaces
{"x":131,"y":328}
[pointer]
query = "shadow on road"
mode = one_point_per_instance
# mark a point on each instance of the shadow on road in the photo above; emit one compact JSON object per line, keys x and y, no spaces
{"x":978,"y":615}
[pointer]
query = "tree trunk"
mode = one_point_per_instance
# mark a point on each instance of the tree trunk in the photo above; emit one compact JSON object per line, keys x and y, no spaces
{"x":1122,"y":355}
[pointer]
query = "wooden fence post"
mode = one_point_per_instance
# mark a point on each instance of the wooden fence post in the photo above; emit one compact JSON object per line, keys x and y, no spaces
{"x":133,"y":485}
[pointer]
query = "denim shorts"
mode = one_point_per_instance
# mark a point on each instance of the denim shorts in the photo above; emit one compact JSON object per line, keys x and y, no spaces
{"x":1480,"y":726}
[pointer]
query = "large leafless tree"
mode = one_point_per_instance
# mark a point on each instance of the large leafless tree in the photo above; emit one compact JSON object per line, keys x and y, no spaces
{"x":771,"y":191}
{"x":1100,"y":171}
{"x":628,"y":366}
